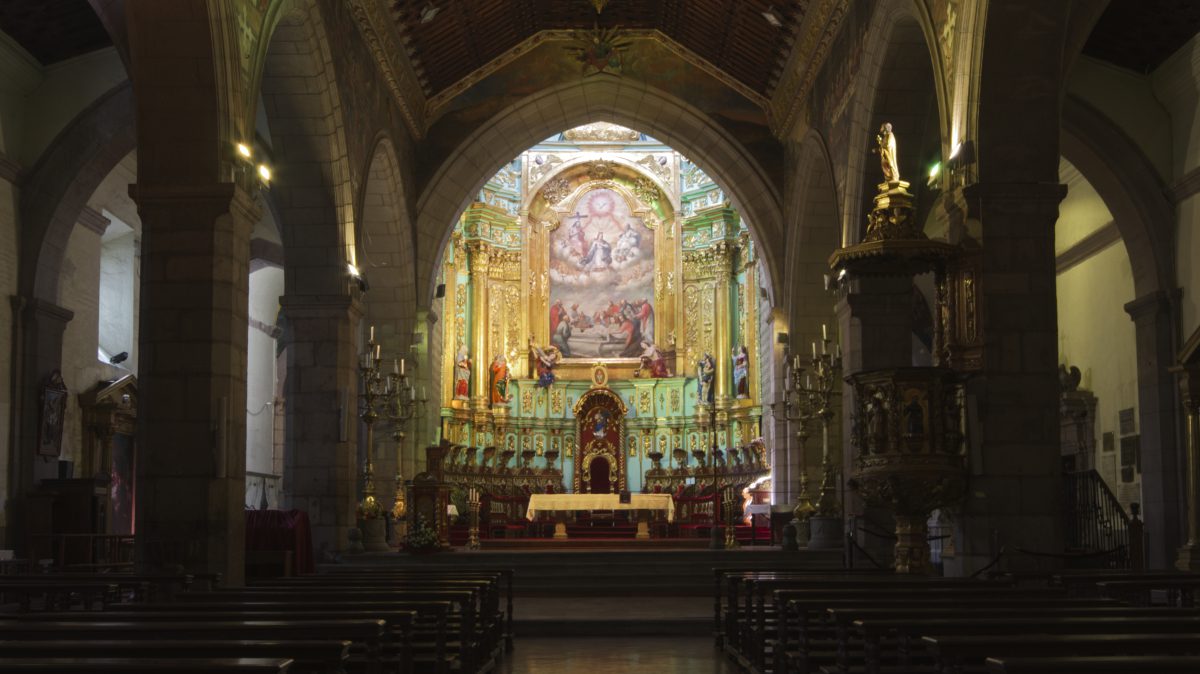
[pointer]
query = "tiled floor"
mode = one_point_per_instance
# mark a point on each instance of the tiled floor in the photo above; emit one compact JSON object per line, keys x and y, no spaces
{"x":615,"y":656}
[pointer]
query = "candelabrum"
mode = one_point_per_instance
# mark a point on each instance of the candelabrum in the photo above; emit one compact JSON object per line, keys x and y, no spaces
{"x":808,"y":396}
{"x":473,"y":531}
{"x":389,"y":396}
{"x":401,"y":405}
{"x":731,"y":503}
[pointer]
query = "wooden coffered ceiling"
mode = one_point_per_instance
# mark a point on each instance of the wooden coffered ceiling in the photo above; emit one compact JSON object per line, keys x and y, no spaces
{"x":464,"y":36}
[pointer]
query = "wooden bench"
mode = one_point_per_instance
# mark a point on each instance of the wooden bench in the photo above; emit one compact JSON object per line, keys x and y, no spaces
{"x":309,"y":656}
{"x":366,"y":576}
{"x":370,"y":633}
{"x":1129,"y":664}
{"x":157,"y":665}
{"x":908,"y":630}
{"x":470,"y":636}
{"x":953,"y":653}
{"x":810,"y":622}
{"x":57,"y":595}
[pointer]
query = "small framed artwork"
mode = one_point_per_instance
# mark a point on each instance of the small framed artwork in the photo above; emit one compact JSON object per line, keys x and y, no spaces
{"x":54,"y":406}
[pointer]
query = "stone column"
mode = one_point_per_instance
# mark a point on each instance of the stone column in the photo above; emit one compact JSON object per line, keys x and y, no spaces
{"x":321,"y":466}
{"x":723,"y":322}
{"x":480,"y":259}
{"x":192,"y":377}
{"x":1154,"y":320}
{"x":1015,"y":496}
{"x":1189,"y":393}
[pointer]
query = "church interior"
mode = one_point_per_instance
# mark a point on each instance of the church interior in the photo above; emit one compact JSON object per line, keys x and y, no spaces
{"x":607,"y":335}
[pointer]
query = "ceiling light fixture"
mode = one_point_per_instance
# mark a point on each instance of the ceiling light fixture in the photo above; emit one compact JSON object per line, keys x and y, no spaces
{"x":428,"y":12}
{"x":772,"y":18}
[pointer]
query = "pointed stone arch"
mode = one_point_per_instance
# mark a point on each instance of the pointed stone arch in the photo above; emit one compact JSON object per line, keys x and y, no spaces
{"x":901,"y":60}
{"x":599,"y":98}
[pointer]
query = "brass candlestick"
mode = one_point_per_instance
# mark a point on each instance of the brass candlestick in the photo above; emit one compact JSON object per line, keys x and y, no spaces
{"x":808,"y":400}
{"x":473,"y":530}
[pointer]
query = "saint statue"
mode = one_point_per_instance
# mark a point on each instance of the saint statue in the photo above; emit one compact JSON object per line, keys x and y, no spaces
{"x":544,"y":362}
{"x":886,"y":149}
{"x":652,"y":361}
{"x":462,"y":375}
{"x":741,"y":372}
{"x":706,"y":373}
{"x":499,"y":380}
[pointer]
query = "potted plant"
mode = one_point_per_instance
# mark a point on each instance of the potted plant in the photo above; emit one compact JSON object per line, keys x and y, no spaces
{"x":422,"y":539}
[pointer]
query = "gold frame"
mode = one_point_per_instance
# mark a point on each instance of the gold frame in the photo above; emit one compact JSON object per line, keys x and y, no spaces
{"x":668,"y":283}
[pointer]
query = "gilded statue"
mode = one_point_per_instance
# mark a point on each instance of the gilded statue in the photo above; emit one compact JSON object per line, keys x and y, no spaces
{"x":886,"y":142}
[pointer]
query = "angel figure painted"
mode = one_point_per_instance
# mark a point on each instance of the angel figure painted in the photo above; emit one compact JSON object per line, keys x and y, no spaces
{"x":544,"y":361}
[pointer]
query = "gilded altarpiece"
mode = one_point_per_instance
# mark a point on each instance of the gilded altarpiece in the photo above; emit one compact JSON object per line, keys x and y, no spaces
{"x":651,"y":253}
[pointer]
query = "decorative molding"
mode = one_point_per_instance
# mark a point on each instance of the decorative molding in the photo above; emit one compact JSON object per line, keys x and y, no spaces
{"x":437,"y":102}
{"x":391,"y":56}
{"x":1188,"y":186}
{"x":10,"y":170}
{"x":93,"y":220}
{"x":817,"y":31}
{"x":1088,"y":246}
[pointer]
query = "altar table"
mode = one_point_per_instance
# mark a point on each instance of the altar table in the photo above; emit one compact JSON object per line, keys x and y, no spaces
{"x":579,"y":502}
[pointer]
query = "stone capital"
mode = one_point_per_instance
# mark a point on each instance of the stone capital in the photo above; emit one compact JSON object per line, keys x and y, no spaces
{"x":320,"y":306}
{"x":93,"y":220}
{"x":228,"y":196}
{"x":1153,"y":304}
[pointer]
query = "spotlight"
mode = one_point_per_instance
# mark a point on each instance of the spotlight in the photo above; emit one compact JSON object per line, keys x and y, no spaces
{"x":264,"y":172}
{"x":244,"y":151}
{"x":353,"y":270}
{"x":934,"y":171}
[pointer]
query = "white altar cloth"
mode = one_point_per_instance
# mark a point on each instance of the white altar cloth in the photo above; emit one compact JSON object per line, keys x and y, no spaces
{"x":550,"y":502}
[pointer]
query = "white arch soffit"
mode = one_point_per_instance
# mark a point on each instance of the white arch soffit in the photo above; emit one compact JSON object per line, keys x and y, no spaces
{"x":604,"y":98}
{"x":813,"y":161}
{"x":881,"y":30}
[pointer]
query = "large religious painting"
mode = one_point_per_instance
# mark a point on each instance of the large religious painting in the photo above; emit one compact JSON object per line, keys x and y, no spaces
{"x":601,"y":279}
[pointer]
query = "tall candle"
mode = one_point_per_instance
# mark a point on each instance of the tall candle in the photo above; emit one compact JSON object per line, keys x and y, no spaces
{"x":395,"y":366}
{"x":402,"y":367}
{"x":814,"y":346}
{"x":824,"y":331}
{"x":377,"y":353}
{"x":372,"y":337}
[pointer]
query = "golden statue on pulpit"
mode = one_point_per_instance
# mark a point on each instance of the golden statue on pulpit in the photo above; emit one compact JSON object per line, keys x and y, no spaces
{"x":886,"y":150}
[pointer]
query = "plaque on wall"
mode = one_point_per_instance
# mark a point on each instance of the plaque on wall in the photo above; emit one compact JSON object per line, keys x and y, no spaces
{"x":1128,"y":426}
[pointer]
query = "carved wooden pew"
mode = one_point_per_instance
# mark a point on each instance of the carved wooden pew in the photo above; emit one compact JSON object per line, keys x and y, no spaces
{"x":813,"y":626}
{"x":505,"y":577}
{"x":909,"y":630}
{"x":955,"y":653}
{"x":370,"y":633}
{"x":1130,"y":664}
{"x":67,"y":665}
{"x":455,"y":640}
{"x":309,"y":656}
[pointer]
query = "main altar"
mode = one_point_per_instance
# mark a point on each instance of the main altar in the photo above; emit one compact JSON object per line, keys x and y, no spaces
{"x":601,"y":305}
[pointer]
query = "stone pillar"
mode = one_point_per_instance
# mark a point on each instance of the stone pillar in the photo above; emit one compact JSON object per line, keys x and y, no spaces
{"x":192,"y":377}
{"x":321,"y":466}
{"x":1154,"y":322}
{"x":480,"y":265}
{"x":39,"y":326}
{"x":1015,"y":496}
{"x":1189,"y":392}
